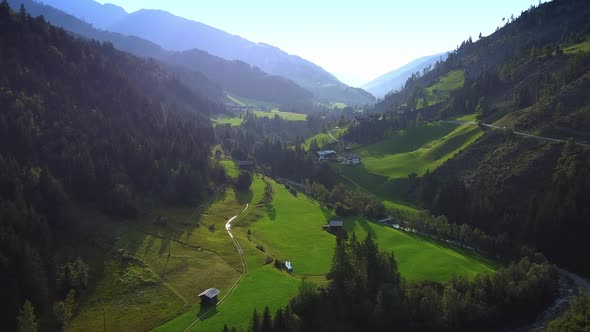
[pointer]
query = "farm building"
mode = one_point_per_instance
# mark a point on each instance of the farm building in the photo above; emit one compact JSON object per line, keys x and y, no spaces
{"x":246,"y":164}
{"x":353,"y":160}
{"x":336,"y":223}
{"x":209,"y":296}
{"x":326,"y":154}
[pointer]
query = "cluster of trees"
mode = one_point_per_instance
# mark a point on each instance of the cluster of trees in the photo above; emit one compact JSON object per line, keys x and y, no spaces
{"x":558,"y":221}
{"x":576,"y":318}
{"x":378,"y":126}
{"x":81,"y":119}
{"x":366,"y":293}
{"x":553,"y":220}
{"x":346,"y":202}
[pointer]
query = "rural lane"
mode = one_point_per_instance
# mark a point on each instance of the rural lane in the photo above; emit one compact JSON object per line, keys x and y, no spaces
{"x":579,"y":281}
{"x":472,"y":123}
{"x":244,"y":269}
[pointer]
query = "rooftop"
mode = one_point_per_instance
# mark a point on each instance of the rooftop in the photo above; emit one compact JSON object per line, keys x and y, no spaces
{"x":210,"y":293}
{"x":336,"y":223}
{"x":325,"y":152}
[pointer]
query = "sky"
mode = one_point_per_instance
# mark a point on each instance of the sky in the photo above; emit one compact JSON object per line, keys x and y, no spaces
{"x":356,"y":41}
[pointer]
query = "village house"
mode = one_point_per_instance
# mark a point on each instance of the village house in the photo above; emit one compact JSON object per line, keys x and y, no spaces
{"x":352,"y":160}
{"x":326,"y":154}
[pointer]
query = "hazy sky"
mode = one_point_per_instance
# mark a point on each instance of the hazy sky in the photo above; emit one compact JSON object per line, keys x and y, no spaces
{"x":354,"y":40}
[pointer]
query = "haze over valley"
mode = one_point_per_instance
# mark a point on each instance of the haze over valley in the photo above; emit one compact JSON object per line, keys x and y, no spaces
{"x":255,"y":166}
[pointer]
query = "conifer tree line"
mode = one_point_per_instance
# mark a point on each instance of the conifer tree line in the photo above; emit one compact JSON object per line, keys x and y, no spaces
{"x":81,"y":122}
{"x":367,"y":293}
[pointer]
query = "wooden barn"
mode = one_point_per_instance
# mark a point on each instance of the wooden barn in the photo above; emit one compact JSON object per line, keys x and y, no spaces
{"x":209,"y":296}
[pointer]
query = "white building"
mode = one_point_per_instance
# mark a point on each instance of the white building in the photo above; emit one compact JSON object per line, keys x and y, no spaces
{"x":353,"y":160}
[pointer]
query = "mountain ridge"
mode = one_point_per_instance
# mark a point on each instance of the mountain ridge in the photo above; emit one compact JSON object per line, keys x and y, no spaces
{"x":162,"y":28}
{"x":395,"y":79}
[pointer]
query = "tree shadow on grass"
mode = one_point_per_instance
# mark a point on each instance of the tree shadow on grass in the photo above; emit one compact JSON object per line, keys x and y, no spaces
{"x":207,"y":311}
{"x":244,"y":197}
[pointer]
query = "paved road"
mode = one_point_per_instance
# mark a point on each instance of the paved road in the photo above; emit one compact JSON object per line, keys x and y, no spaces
{"x":578,"y":280}
{"x":235,"y":284}
{"x":515,"y":132}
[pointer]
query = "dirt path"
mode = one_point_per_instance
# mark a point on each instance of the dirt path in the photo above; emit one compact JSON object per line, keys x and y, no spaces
{"x":236,"y":283}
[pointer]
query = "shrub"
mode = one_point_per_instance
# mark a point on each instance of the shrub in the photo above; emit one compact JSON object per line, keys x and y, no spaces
{"x":212,"y":228}
{"x":268,"y":260}
{"x":293,"y":192}
{"x":279,"y":264}
{"x":260,"y":247}
{"x":244,"y":181}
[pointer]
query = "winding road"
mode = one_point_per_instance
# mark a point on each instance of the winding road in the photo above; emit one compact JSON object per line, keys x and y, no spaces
{"x":472,"y":123}
{"x":236,"y":283}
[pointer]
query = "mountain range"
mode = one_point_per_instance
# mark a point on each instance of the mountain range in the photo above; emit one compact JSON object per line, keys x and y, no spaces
{"x":395,"y":79}
{"x":175,"y":33}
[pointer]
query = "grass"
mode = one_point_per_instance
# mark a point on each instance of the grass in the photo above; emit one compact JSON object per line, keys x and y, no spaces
{"x":323,"y":138}
{"x":233,"y":121}
{"x":292,"y":230}
{"x":421,"y":258}
{"x":263,"y":284}
{"x":441,"y":90}
{"x":386,"y":165}
{"x":580,"y":47}
{"x":284,"y":115}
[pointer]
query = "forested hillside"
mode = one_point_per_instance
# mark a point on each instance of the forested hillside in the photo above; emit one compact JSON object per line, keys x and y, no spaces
{"x":528,"y":77}
{"x":83,"y":123}
{"x":205,"y":73}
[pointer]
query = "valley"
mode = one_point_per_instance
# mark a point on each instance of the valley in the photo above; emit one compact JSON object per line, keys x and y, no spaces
{"x":161,"y":174}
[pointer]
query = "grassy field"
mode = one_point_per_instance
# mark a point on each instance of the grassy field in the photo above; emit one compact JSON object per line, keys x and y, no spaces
{"x":139,"y":286}
{"x":323,"y":138}
{"x":421,"y":258}
{"x":284,"y":115}
{"x":581,"y":47}
{"x":386,"y":165}
{"x":234,"y":121}
{"x":441,"y":90}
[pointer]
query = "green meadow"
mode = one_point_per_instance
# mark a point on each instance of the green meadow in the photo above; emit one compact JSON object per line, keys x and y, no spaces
{"x":386,"y":165}
{"x":441,"y":90}
{"x":147,"y":276}
{"x":421,"y":258}
{"x":323,"y":138}
{"x":283,"y":115}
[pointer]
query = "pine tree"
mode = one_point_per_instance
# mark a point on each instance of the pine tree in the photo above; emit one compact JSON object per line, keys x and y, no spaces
{"x":27,"y":322}
{"x":255,"y":321}
{"x":266,"y":320}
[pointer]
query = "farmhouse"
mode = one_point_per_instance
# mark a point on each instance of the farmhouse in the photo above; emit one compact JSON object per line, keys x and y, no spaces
{"x":353,"y":160}
{"x":326,"y":154}
{"x":209,"y":296}
{"x":246,"y":164}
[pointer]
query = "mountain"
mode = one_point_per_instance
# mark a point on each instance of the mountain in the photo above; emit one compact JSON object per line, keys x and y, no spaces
{"x":395,"y":79}
{"x":84,"y":124}
{"x":527,"y":177}
{"x":206,"y":73}
{"x":179,"y":34}
{"x":99,"y":15}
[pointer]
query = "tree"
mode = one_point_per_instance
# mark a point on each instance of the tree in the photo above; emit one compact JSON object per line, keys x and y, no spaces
{"x":244,"y":181}
{"x":266,"y":321}
{"x":27,"y":322}
{"x":255,"y":323}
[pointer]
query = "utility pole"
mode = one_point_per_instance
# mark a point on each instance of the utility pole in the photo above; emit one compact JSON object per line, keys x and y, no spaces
{"x":169,"y":245}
